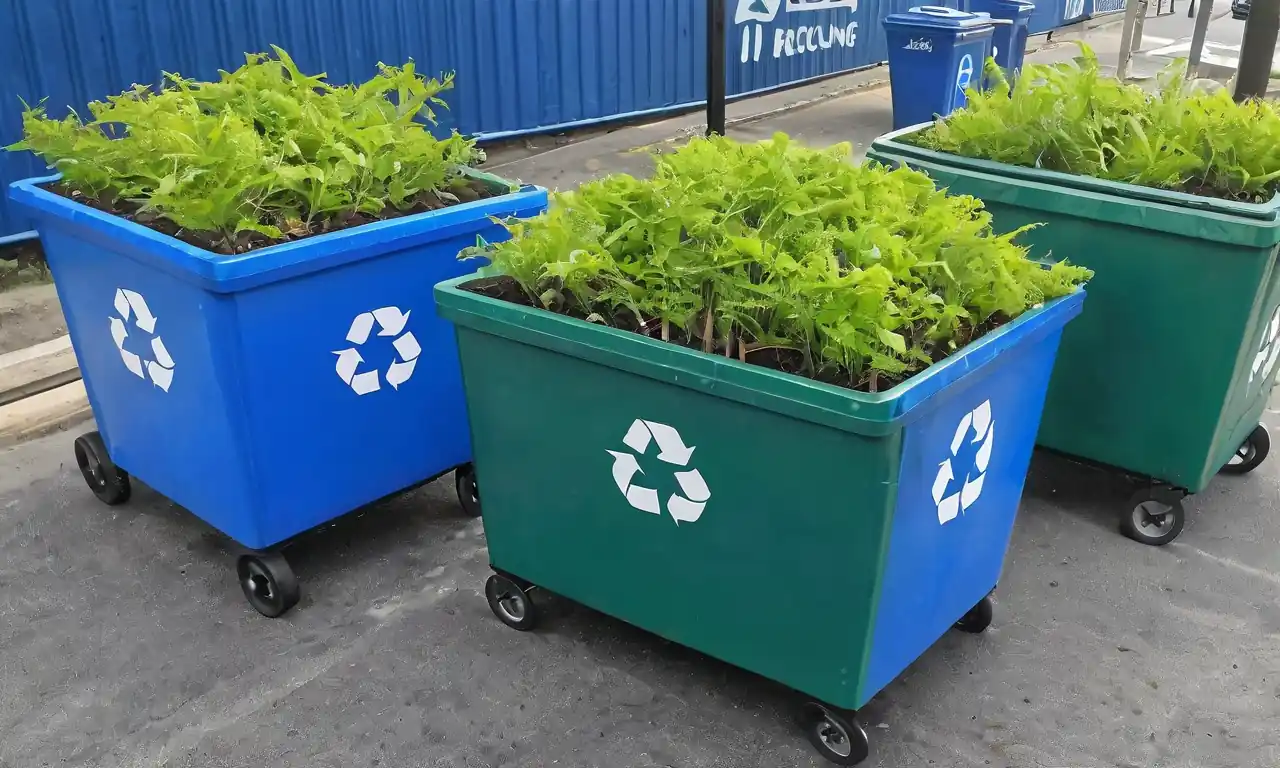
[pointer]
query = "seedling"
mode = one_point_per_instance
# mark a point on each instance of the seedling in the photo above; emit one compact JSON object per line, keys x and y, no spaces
{"x":264,"y":154}
{"x":776,"y":254}
{"x":1071,"y":117}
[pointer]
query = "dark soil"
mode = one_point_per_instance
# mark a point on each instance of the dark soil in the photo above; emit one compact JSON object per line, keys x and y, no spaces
{"x":22,"y":263}
{"x":466,"y":190}
{"x":1202,"y":189}
{"x":781,"y":359}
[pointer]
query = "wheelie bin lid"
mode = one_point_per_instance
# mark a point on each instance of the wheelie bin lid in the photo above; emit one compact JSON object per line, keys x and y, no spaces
{"x":1004,"y":9}
{"x":938,"y":17}
{"x":997,"y":20}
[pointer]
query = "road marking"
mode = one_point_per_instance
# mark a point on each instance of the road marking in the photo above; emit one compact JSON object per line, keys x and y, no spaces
{"x":1173,"y":49}
{"x":1233,"y":564}
{"x":1207,"y":55}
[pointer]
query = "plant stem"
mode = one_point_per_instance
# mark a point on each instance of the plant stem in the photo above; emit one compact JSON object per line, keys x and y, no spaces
{"x":708,"y":341}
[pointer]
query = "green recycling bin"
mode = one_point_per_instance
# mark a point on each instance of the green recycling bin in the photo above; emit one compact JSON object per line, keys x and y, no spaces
{"x":821,"y":537}
{"x":1167,"y":373}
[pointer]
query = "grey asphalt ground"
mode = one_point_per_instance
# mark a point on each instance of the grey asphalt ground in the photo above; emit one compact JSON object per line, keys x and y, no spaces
{"x":124,"y":640}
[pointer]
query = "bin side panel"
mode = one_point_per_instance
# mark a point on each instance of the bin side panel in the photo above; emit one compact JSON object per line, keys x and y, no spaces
{"x":355,"y":391}
{"x":1143,"y":376}
{"x":963,"y":469}
{"x":1142,"y":379}
{"x":1255,"y":376}
{"x":182,"y":442}
{"x":578,"y":464}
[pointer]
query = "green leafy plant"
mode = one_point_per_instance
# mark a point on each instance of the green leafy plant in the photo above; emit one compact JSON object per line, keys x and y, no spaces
{"x":266,"y":150}
{"x":780,"y":255}
{"x":1070,"y":117}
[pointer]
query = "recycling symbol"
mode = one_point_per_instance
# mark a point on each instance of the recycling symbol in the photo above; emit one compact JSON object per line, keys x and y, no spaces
{"x":684,"y":507}
{"x":391,"y":322}
{"x":949,"y":506}
{"x":964,"y":77}
{"x":131,"y":305}
{"x":1268,"y":349}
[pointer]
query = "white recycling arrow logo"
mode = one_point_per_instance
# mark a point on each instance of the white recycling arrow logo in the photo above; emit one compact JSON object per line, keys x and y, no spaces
{"x":391,"y":322}
{"x":684,"y":507}
{"x":131,"y":305}
{"x":979,"y":421}
{"x":1268,"y":350}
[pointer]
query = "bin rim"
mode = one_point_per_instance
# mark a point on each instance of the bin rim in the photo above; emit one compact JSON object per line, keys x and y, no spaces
{"x":222,"y":273}
{"x":873,"y":415}
{"x":1094,"y":206}
{"x":938,"y":18}
{"x":889,"y":142}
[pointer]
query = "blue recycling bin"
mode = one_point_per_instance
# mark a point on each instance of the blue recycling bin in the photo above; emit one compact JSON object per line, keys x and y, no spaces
{"x":935,"y":55}
{"x":272,"y":391}
{"x":1009,"y":40}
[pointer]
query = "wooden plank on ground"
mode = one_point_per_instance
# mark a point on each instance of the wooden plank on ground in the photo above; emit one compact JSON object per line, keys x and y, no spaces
{"x":30,"y":371}
{"x":44,"y":413}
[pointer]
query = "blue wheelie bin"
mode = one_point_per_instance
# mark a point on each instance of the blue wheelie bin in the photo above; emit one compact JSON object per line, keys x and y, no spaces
{"x":1009,"y":41}
{"x":272,"y":391}
{"x":935,"y":55}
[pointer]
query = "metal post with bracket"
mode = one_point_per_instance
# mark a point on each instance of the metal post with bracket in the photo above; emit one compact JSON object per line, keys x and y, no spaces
{"x":1203,"y":17}
{"x":1130,"y":35}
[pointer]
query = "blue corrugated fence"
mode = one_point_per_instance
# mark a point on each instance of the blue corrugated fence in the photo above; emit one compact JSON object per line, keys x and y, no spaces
{"x":522,"y":66}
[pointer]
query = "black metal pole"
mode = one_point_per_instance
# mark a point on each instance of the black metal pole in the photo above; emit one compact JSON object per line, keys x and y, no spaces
{"x":1257,"y":49}
{"x":715,"y":67}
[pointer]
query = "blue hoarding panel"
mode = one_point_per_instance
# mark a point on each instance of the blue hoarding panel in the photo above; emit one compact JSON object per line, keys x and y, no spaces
{"x":1051,"y":14}
{"x":1104,"y":7}
{"x":773,"y":42}
{"x":522,"y":66}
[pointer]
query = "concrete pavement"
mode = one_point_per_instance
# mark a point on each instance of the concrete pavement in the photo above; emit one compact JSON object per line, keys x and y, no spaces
{"x":1166,"y":38}
{"x":124,"y":640}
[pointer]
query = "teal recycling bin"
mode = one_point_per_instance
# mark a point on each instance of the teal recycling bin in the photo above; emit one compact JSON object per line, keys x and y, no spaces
{"x":935,"y":55}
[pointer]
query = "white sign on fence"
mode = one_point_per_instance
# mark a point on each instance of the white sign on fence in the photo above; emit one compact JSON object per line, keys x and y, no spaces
{"x":789,"y":40}
{"x":819,"y":5}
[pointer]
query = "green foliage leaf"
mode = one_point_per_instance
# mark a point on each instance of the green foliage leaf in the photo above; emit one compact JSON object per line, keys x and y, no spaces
{"x":860,"y":271}
{"x":892,"y":340}
{"x":1072,"y":117}
{"x":263,"y":148}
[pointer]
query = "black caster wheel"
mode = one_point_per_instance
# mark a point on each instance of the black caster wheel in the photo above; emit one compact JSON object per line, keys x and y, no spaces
{"x":979,"y":617}
{"x":1155,"y":516}
{"x":511,"y":603}
{"x":268,"y":582}
{"x":464,"y":481}
{"x":107,"y":481}
{"x":1251,"y":453}
{"x":838,"y":737}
